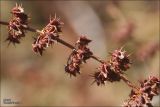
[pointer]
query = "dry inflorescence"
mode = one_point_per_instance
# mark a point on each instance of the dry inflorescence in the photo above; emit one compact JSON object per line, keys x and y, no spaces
{"x":16,"y":25}
{"x":79,"y":55}
{"x":47,"y":35}
{"x":144,"y":94}
{"x":112,"y":70}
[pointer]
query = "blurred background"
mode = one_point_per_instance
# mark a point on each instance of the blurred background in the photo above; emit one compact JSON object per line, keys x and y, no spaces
{"x":35,"y":80}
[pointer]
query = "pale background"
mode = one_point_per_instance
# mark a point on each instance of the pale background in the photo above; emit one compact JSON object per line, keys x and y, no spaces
{"x":35,"y":80}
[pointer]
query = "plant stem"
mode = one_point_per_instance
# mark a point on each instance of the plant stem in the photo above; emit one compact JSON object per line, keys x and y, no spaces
{"x":127,"y":82}
{"x":56,"y":38}
{"x":4,"y":23}
{"x":72,"y":47}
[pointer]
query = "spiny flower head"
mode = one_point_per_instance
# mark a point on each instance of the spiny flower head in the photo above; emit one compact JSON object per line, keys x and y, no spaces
{"x":144,"y":94}
{"x":151,"y":86}
{"x":73,"y":63}
{"x":82,"y":48}
{"x":57,"y":23}
{"x":47,"y":35}
{"x":105,"y":73}
{"x":80,"y":54}
{"x":17,"y":24}
{"x":113,"y":69}
{"x":120,"y":60}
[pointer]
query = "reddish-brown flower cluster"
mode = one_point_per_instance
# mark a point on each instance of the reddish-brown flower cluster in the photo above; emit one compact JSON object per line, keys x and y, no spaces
{"x":105,"y":73}
{"x":80,"y":54}
{"x":47,"y":35}
{"x":111,"y":70}
{"x":120,"y":60}
{"x":17,"y":24}
{"x":142,"y":96}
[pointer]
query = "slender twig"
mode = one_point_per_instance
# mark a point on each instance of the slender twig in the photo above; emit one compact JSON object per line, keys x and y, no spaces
{"x":128,"y":82}
{"x":72,"y":47}
{"x":4,"y":23}
{"x":32,"y":29}
{"x":26,"y":28}
{"x":111,"y":70}
{"x":97,"y":59}
{"x":56,"y":38}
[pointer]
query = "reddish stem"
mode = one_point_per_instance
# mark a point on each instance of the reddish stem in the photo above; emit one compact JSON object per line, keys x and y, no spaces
{"x":56,"y":38}
{"x":72,"y":47}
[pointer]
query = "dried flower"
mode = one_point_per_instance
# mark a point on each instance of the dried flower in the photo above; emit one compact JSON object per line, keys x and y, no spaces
{"x":113,"y":69}
{"x":17,"y":24}
{"x":73,"y":63}
{"x":47,"y":35}
{"x":120,"y":60}
{"x":80,"y":54}
{"x":82,"y":49}
{"x":105,"y":73}
{"x":142,"y":96}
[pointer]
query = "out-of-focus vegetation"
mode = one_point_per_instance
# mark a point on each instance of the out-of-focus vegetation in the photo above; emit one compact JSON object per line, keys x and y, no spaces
{"x":35,"y":80}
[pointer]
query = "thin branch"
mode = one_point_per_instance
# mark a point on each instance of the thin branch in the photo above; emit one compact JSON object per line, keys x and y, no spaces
{"x":64,"y":43}
{"x":127,"y":81}
{"x":97,"y":59}
{"x":26,"y":28}
{"x":4,"y":23}
{"x":72,"y":47}
{"x":32,"y":30}
{"x":56,"y":38}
